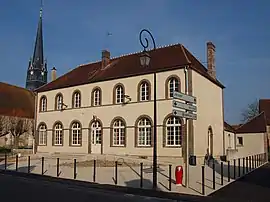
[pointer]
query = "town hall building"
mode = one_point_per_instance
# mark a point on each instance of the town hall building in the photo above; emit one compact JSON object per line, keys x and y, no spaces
{"x":106,"y":107}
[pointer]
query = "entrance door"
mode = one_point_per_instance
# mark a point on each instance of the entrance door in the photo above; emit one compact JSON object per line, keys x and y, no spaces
{"x":210,"y":141}
{"x":96,"y":138}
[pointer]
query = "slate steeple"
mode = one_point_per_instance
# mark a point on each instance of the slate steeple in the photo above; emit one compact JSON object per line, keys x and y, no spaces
{"x":37,"y":67}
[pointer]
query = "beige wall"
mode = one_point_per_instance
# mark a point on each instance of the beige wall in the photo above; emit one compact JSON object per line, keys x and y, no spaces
{"x":253,"y":143}
{"x":131,"y":112}
{"x":210,"y":113}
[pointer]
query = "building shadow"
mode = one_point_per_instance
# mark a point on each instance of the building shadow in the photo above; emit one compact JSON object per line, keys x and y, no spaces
{"x":147,"y":184}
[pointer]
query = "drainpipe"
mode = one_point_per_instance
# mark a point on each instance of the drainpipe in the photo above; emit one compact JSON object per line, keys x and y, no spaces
{"x":35,"y":123}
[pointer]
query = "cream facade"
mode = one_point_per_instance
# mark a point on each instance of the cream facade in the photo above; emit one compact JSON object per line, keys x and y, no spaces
{"x":245,"y":144}
{"x":127,"y":129}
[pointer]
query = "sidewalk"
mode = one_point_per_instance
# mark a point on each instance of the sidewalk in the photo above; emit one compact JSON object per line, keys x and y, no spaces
{"x":129,"y":175}
{"x":254,"y":187}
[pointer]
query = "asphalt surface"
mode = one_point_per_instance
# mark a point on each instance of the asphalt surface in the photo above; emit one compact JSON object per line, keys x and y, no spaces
{"x":254,"y":187}
{"x":14,"y":188}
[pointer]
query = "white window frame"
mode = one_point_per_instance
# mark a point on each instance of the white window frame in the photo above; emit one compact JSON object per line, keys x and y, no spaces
{"x":42,"y":135}
{"x":144,"y":133}
{"x":76,"y":134}
{"x":119,"y":94}
{"x":77,"y":100}
{"x":59,"y":102}
{"x":176,"y":131}
{"x":144,"y":91}
{"x":58,"y":134}
{"x":173,"y":85}
{"x":119,"y":136}
{"x":43,"y":104}
{"x":96,"y":127}
{"x":96,"y":97}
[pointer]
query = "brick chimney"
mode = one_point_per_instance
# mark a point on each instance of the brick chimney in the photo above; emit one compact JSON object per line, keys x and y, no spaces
{"x":53,"y":74}
{"x":105,"y":58}
{"x":211,"y":66}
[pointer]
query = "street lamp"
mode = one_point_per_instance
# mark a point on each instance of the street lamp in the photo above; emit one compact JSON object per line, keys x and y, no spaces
{"x":145,"y":61}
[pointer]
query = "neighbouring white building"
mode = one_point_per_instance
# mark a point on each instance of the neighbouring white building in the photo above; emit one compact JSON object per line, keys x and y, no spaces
{"x":106,"y":107}
{"x":246,"y":139}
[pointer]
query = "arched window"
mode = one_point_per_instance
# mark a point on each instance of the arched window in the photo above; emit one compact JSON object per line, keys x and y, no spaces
{"x":42,"y":134}
{"x":96,"y":97}
{"x":76,"y":134}
{"x":96,"y":132}
{"x":76,"y":99}
{"x":59,"y":102}
{"x":58,"y":134}
{"x":119,"y":136}
{"x":119,"y":94}
{"x":173,"y":84}
{"x":43,"y":104}
{"x":173,"y":131}
{"x":144,"y":91}
{"x":144,"y":132}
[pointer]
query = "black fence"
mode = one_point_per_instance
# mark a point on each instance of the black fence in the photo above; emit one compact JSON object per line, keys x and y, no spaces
{"x":233,"y":169}
{"x":140,"y":173}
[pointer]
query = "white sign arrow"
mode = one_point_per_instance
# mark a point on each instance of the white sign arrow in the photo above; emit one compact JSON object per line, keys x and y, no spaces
{"x":185,"y":106}
{"x":183,"y":114}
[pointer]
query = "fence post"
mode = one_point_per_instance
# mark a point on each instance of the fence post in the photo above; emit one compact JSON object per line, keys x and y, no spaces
{"x":239,"y":167}
{"x":221,"y":173}
{"x":170,"y":177}
{"x":5,"y":161}
{"x":141,"y":175}
{"x":234,"y":169}
{"x":252,"y":160}
{"x":214,"y":176}
{"x":28,"y":170}
{"x":203,"y":190}
{"x":244,"y":166}
{"x":229,"y":171}
{"x":94,"y":173}
{"x":57,"y":167}
{"x":42,"y":165}
{"x":255,"y":160}
{"x":75,"y":169}
{"x":250,"y":168}
{"x":16,"y":162}
{"x":115,"y":172}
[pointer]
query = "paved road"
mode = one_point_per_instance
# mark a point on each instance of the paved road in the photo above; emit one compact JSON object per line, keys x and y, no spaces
{"x":14,"y":188}
{"x":254,"y":187}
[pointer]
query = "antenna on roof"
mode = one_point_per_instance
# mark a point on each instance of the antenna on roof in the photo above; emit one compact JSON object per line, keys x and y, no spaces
{"x":107,"y":40}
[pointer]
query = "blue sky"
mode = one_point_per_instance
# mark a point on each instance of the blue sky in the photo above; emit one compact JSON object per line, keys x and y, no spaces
{"x":75,"y":33}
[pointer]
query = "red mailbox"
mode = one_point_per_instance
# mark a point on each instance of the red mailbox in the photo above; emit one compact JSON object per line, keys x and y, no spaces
{"x":179,"y":175}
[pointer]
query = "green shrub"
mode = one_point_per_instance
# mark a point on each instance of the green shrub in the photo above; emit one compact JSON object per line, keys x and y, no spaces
{"x":5,"y":150}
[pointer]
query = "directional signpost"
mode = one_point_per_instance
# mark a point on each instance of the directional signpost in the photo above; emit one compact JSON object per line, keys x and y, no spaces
{"x":184,"y":110}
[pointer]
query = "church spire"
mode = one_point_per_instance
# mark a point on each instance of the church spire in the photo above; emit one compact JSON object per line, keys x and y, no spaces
{"x":37,"y":69}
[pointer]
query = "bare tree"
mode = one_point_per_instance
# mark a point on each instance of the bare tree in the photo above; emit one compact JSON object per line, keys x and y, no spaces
{"x":250,"y":112}
{"x":3,"y":126}
{"x":18,"y":126}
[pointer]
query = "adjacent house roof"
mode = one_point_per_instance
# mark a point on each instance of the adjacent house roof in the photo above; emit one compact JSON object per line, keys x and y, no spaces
{"x":16,"y":101}
{"x":255,"y":125}
{"x":264,"y":106}
{"x":228,"y":127}
{"x":162,"y":59}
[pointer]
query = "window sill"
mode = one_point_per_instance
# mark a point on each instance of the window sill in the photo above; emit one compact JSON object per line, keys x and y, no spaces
{"x":175,"y":146}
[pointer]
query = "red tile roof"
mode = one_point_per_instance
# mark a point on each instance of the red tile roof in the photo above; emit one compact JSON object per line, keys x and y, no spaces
{"x":264,"y":106}
{"x":162,"y":59}
{"x":255,"y":125}
{"x":16,"y":101}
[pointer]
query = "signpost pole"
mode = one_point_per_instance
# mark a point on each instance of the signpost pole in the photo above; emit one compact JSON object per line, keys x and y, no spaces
{"x":187,"y":138}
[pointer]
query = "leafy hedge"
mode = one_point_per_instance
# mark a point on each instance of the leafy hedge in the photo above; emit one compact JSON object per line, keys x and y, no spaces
{"x":5,"y":150}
